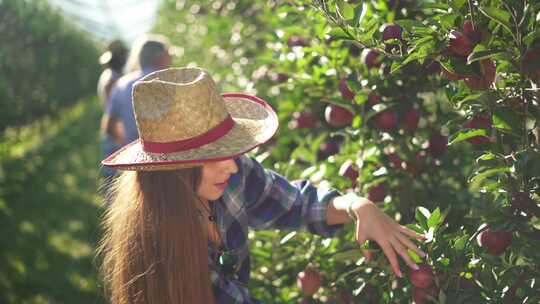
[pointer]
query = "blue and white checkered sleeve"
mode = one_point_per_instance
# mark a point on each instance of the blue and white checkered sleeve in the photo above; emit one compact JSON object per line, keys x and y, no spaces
{"x":229,"y":292}
{"x":273,"y":202}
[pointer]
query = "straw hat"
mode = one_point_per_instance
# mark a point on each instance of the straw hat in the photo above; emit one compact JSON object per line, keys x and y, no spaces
{"x":183,"y":121}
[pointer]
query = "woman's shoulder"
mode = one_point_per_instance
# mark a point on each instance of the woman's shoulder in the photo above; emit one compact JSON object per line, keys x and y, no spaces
{"x":246,"y":162}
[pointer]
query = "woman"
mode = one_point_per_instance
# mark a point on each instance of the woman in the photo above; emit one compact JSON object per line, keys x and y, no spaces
{"x":177,"y":230}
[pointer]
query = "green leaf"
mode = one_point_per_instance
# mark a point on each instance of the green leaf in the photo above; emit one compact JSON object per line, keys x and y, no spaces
{"x":470,"y":97}
{"x":371,"y":26}
{"x":347,"y":255}
{"x":358,"y":10}
{"x":499,"y":16}
{"x":457,"y":4}
{"x":408,"y":25}
{"x":339,"y":33}
{"x":435,"y":219}
{"x":429,"y":5}
{"x":531,"y":37}
{"x":460,"y":243}
{"x":423,"y":40}
{"x":357,"y":122}
{"x":396,"y":65}
{"x":414,"y":256}
{"x":465,"y":134}
{"x":458,"y":66}
{"x":507,"y":120}
{"x":486,"y":156}
{"x":422,"y":31}
{"x":348,"y":11}
{"x":536,"y":223}
{"x":475,"y":56}
{"x":448,"y":20}
{"x":477,"y":179}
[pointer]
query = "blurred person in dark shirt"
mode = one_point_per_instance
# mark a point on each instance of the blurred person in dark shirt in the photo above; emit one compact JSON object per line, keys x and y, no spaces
{"x":149,"y":53}
{"x":113,"y":61}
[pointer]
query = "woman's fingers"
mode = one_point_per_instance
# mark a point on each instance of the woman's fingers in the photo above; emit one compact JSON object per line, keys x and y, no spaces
{"x":409,"y":244}
{"x":411,"y":233}
{"x":361,"y":234}
{"x":391,"y":256}
{"x":368,"y":255}
{"x":403,"y":253}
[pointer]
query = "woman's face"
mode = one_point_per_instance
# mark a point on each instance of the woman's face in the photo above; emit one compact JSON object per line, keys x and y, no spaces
{"x":215,"y":176}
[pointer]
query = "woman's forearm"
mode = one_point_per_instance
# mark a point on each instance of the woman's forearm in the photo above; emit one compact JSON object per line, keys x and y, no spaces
{"x":336,"y":211}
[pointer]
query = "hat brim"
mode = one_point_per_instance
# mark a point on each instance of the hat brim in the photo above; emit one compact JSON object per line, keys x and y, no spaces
{"x":255,"y":123}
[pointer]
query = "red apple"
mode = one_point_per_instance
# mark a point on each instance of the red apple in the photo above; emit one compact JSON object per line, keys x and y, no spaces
{"x":338,"y":116}
{"x":530,"y":61}
{"x":488,"y":76}
{"x":349,"y":171}
{"x":373,"y":99}
{"x":395,"y":160}
{"x":495,"y":242}
{"x":459,"y":43}
{"x":371,"y":58}
{"x":345,"y":91}
{"x":432,"y":67}
{"x":468,"y":27}
{"x":474,"y":33}
{"x":386,"y":120}
{"x":279,"y":77}
{"x":309,"y":281}
{"x":478,"y":122}
{"x":330,"y":147}
{"x":410,"y":119}
{"x":421,"y":295}
{"x":303,"y":120}
{"x":391,"y":31}
{"x":423,"y":277}
{"x":437,"y":144}
{"x":297,"y":41}
{"x":377,"y":193}
{"x":345,"y":297}
{"x":465,"y":283}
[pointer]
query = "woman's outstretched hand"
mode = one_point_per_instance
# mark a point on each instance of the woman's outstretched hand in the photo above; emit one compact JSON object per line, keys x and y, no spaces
{"x":394,"y":239}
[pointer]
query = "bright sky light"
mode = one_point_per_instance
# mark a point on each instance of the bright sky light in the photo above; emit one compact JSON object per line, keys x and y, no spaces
{"x":107,"y":19}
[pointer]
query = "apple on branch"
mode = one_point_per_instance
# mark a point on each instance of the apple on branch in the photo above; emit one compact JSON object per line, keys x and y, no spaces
{"x":309,"y":281}
{"x":386,"y":120}
{"x":478,"y":122}
{"x":423,"y":277}
{"x":337,"y":116}
{"x":371,"y":58}
{"x":460,"y":44}
{"x":494,"y":241}
{"x":345,"y":91}
{"x":391,"y":31}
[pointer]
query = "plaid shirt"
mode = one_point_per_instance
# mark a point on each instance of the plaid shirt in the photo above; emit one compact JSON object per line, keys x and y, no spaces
{"x":261,"y":199}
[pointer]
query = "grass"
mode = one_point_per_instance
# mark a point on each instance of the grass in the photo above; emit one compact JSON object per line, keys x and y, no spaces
{"x":50,"y":209}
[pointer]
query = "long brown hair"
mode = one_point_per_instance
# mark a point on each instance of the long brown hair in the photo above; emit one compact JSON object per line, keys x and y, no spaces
{"x":154,"y":249}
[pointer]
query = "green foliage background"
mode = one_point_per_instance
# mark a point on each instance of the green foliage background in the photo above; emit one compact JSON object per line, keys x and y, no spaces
{"x":46,"y":63}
